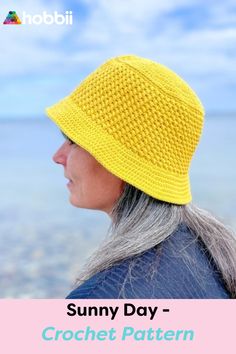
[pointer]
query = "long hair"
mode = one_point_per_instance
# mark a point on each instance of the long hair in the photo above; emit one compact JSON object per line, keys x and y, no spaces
{"x":140,"y":222}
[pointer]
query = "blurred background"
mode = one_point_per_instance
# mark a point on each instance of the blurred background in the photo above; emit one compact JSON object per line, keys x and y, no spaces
{"x":43,"y":239}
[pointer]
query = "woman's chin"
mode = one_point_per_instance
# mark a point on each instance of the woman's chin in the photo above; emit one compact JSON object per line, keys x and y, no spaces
{"x":73,"y":201}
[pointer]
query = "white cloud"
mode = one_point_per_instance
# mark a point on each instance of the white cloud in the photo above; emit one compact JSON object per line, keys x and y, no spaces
{"x":117,"y":27}
{"x":114,"y":27}
{"x":25,"y":48}
{"x":202,"y":55}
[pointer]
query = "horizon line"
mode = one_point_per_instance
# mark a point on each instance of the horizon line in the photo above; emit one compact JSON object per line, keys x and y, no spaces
{"x":39,"y":117}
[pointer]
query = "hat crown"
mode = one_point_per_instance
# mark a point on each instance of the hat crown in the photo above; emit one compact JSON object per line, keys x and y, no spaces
{"x":165,"y":79}
{"x":146,"y":107}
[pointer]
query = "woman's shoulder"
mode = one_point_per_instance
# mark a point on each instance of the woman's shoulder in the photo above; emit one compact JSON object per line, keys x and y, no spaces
{"x":177,"y":268}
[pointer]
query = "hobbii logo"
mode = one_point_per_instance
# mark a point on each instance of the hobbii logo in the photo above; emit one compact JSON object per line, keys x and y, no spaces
{"x":48,"y":19}
{"x":38,"y":19}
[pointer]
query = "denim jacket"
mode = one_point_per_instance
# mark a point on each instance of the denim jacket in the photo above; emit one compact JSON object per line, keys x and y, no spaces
{"x":178,"y":268}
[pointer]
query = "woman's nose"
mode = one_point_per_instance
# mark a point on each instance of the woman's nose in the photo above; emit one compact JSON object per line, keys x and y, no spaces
{"x":60,"y":156}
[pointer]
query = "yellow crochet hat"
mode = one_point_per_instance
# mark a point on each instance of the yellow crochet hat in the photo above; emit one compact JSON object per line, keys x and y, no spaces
{"x":140,"y":120}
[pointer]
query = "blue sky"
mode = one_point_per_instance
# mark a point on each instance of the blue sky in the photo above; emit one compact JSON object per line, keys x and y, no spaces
{"x":41,"y":64}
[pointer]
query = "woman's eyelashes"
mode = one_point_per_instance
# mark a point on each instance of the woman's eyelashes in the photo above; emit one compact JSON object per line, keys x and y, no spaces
{"x":70,"y":142}
{"x":67,"y":138}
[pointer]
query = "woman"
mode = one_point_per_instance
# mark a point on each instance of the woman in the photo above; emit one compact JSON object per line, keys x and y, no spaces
{"x":131,"y":129}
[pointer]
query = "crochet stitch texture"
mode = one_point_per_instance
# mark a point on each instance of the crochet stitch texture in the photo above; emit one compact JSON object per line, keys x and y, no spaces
{"x":140,"y":120}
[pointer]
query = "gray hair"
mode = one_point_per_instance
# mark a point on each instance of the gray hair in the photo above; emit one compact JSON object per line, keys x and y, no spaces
{"x":140,"y":222}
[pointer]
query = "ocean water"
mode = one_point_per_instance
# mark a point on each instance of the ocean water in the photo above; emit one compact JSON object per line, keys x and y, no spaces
{"x":44,"y":240}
